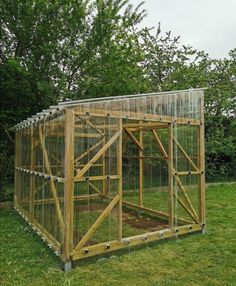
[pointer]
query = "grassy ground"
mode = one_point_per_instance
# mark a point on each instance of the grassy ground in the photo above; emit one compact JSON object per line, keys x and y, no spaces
{"x":208,"y":259}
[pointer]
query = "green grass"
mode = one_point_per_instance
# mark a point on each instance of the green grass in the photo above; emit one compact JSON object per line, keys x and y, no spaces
{"x":107,"y":230}
{"x":208,"y":259}
{"x":159,"y":201}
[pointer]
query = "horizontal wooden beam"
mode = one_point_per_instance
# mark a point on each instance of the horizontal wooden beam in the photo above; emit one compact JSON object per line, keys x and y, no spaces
{"x":61,"y":199}
{"x":47,"y":201}
{"x":160,"y":214}
{"x":144,"y":124}
{"x":136,"y":129}
{"x":154,"y":212}
{"x":188,"y":173}
{"x":100,"y":126}
{"x":60,"y":133}
{"x":87,"y":135}
{"x":142,"y":157}
{"x":136,"y":116}
{"x":97,"y":178}
{"x":43,"y":175}
{"x":79,"y":166}
{"x":109,"y":246}
{"x":86,"y":197}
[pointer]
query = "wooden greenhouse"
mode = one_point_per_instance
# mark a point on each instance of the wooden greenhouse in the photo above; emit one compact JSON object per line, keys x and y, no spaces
{"x":94,"y":176}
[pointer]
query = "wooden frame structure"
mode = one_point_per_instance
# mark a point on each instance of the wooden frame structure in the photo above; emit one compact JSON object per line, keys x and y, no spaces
{"x":70,"y":161}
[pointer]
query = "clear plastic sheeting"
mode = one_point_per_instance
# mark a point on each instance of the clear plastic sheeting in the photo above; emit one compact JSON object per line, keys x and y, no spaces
{"x":183,"y":104}
{"x":102,"y":174}
{"x":97,"y":186}
{"x":40,"y":173}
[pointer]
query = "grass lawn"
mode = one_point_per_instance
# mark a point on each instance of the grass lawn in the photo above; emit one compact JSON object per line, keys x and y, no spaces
{"x":208,"y":259}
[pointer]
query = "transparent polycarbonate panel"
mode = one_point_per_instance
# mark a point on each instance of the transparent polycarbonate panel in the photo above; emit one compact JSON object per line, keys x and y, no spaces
{"x":97,"y":123}
{"x":45,"y":212}
{"x":87,"y":209}
{"x":130,"y":165}
{"x":24,"y":195}
{"x":188,"y":209}
{"x":187,"y":173}
{"x":91,"y":134}
{"x":186,"y":148}
{"x":149,"y":164}
{"x":97,"y":185}
{"x":26,"y":146}
{"x":41,"y":192}
{"x":55,"y":145}
{"x":186,"y":104}
{"x":155,"y":170}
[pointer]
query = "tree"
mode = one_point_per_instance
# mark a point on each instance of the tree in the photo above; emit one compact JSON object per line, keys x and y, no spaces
{"x":170,"y":66}
{"x":53,"y":50}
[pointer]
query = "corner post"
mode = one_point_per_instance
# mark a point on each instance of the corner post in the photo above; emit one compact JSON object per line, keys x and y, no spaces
{"x":170,"y":175}
{"x":68,"y":187}
{"x":104,"y":167}
{"x":201,"y":160}
{"x":32,"y":177}
{"x":119,"y":173}
{"x":140,"y":198}
{"x":17,"y":181}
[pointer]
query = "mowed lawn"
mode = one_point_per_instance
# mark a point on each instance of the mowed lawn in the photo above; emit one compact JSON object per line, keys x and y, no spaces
{"x":208,"y":259}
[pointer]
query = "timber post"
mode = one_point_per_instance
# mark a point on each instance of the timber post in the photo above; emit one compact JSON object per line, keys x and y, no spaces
{"x":68,"y":187}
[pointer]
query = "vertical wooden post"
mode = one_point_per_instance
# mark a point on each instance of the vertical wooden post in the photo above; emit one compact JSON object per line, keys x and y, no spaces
{"x":170,"y":175}
{"x":104,"y":166}
{"x":17,"y":181}
{"x":119,"y":173}
{"x":32,"y":177}
{"x":140,"y":198}
{"x":68,"y":186}
{"x":201,"y":160}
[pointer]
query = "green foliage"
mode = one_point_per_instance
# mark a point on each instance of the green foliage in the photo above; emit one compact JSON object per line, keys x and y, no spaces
{"x":17,"y":102}
{"x":170,"y":66}
{"x":52,"y":50}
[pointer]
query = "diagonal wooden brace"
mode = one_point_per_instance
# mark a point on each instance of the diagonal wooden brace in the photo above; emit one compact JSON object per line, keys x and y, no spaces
{"x":185,"y":154}
{"x":181,"y":187}
{"x":190,"y":211}
{"x":162,"y":149}
{"x":133,"y":138}
{"x":91,"y":125}
{"x":51,"y":182}
{"x":95,"y":188}
{"x":186,"y":209}
{"x":97,"y":156}
{"x":81,"y":156}
{"x":97,"y":223}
